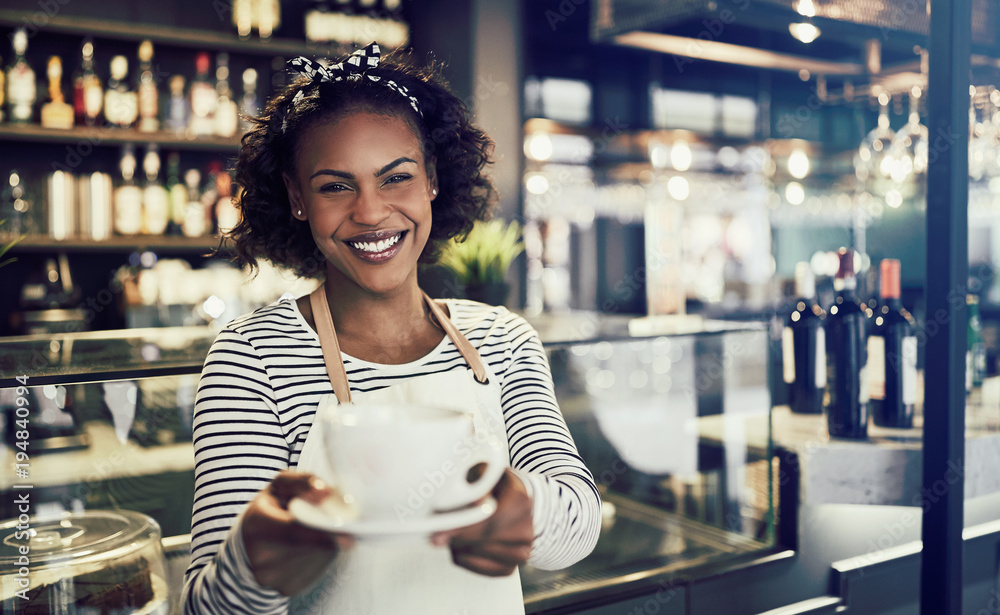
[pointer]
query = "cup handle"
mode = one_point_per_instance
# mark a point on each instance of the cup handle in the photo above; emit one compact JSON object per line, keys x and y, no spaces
{"x":460,"y":493}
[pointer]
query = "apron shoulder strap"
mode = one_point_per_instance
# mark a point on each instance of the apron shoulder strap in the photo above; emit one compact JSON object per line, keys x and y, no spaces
{"x":464,"y":346}
{"x":328,"y":342}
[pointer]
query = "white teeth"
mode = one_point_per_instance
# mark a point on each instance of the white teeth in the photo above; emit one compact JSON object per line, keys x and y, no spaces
{"x":369,"y":246}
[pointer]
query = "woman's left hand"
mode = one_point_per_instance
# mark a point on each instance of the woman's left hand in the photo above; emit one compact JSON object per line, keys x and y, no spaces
{"x":496,"y":546}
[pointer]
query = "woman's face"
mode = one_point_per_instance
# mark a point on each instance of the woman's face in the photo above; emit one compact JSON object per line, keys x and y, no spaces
{"x":363,"y":186}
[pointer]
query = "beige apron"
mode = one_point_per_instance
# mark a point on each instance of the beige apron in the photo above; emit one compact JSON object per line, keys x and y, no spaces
{"x":408,"y":577}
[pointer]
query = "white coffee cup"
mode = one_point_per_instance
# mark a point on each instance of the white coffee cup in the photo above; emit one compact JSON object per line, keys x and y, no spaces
{"x":404,"y":461}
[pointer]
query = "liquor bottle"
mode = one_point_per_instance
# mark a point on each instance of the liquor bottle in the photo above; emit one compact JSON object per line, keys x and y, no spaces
{"x":226,"y":112}
{"x":315,"y":21}
{"x":178,"y":194}
{"x":121,"y":105}
{"x":394,"y":8}
{"x":279,"y":76}
{"x":268,"y":17}
{"x":395,"y":31}
{"x":56,"y":113}
{"x":243,"y":12}
{"x":975,"y":362}
{"x":3,"y":90}
{"x":210,"y":193}
{"x":148,"y":95}
{"x":17,"y":207}
{"x":248,"y":104}
{"x":95,"y":198}
{"x":203,"y":99}
{"x":847,"y":383}
{"x":128,"y":196}
{"x":804,"y":347}
{"x":178,"y":110}
{"x":88,"y":94}
{"x":60,"y":201}
{"x":226,"y":214}
{"x":892,"y":355}
{"x":49,"y":287}
{"x":155,"y":199}
{"x":21,"y":91}
{"x":194,"y":212}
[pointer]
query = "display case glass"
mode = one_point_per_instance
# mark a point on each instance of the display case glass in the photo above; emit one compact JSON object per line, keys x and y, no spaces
{"x":673,"y":423}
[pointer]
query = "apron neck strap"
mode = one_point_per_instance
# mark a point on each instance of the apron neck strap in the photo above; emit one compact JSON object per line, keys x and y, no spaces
{"x":465,"y":347}
{"x":331,"y":348}
{"x":328,"y":343}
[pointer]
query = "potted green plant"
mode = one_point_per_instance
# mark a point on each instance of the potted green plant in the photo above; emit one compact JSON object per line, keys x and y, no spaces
{"x":481,"y":260}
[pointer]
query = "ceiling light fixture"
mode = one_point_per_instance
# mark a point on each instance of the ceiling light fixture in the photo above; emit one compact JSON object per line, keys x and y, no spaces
{"x":805,"y":32}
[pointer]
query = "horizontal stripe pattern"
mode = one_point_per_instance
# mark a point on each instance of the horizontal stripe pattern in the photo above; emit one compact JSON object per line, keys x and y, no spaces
{"x":255,"y":404}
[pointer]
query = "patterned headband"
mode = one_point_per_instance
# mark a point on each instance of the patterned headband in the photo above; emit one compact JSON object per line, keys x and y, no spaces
{"x":354,"y":68}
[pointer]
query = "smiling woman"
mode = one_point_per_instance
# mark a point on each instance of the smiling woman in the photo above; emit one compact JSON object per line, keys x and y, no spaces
{"x":442,"y":128}
{"x":363,"y":187}
{"x":356,"y":174}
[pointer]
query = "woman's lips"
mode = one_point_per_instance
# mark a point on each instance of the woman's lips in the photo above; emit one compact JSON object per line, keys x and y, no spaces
{"x":376,"y":247}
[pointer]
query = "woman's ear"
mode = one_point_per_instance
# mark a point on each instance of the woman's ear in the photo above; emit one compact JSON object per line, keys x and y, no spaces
{"x":294,"y":197}
{"x":432,"y":180}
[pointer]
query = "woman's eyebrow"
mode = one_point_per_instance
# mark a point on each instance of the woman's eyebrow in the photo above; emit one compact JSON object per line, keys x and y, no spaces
{"x":343,"y":174}
{"x":394,"y":163}
{"x":378,"y":173}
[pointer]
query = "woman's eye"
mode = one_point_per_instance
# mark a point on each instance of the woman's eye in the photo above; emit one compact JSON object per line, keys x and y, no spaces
{"x":398,"y":178}
{"x":333,"y":188}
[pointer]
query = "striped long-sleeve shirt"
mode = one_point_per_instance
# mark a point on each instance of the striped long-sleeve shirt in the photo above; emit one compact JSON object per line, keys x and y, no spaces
{"x":256,"y":400}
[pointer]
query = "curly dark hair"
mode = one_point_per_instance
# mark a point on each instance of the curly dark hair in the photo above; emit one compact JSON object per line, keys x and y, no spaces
{"x":461,"y":150}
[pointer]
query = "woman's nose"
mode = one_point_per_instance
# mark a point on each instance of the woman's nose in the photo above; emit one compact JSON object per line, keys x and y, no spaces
{"x":370,"y":208}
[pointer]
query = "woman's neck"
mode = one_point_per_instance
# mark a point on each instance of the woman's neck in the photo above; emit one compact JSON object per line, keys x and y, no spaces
{"x":393,"y":327}
{"x":356,"y":311}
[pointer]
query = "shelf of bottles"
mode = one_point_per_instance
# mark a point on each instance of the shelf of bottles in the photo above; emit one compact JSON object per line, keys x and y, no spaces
{"x":139,"y":138}
{"x":77,"y":205}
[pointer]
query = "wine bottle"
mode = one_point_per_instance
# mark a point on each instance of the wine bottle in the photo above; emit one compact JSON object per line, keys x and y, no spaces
{"x":178,"y":194}
{"x":3,"y":90}
{"x":248,"y":104}
{"x":128,"y":196}
{"x":804,"y":347}
{"x":226,"y":214}
{"x":975,"y":364}
{"x":203,"y":99}
{"x":21,"y":90}
{"x":194,"y":212}
{"x":892,"y":355}
{"x":847,"y":383}
{"x":121,"y":104}
{"x":155,"y":199}
{"x":243,"y":17}
{"x":178,"y":110}
{"x":267,"y":18}
{"x":88,"y":94}
{"x":148,"y":95}
{"x":226,"y":111}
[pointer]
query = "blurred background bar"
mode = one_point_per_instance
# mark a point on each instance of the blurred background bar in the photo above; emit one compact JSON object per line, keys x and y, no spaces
{"x":731,"y":250}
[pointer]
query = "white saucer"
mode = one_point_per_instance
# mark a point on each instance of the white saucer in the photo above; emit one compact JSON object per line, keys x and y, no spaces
{"x":321,"y":518}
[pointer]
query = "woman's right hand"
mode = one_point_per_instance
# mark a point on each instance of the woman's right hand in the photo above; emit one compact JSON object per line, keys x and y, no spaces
{"x":285,"y":555}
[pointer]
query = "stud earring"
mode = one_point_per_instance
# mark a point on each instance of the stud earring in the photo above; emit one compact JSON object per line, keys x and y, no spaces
{"x":434,"y":192}
{"x":298,"y":213}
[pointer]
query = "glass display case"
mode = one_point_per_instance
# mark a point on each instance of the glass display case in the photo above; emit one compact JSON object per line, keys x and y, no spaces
{"x":673,"y":423}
